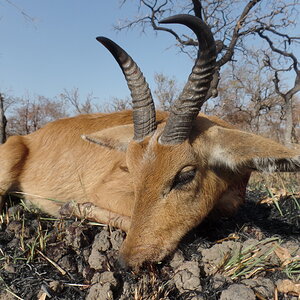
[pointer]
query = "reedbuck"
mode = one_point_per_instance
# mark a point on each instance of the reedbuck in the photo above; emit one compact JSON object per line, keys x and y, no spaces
{"x":155,"y":175}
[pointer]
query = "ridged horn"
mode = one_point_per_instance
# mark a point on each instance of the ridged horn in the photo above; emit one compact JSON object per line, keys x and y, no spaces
{"x":186,"y":108}
{"x":144,"y":117}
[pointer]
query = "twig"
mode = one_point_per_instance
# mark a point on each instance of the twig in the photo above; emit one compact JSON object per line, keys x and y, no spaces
{"x":9,"y":291}
{"x":61,"y":270}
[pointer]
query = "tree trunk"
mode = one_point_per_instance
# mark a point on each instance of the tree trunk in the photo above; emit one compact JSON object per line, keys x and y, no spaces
{"x":288,"y":111}
{"x":2,"y":121}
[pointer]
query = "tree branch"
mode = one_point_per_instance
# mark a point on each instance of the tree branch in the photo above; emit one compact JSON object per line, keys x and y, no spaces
{"x":294,"y":66}
{"x":236,"y":34}
{"x":197,"y":8}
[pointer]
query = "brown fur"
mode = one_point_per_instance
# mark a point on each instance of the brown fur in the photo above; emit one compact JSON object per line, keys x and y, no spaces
{"x":125,"y":180}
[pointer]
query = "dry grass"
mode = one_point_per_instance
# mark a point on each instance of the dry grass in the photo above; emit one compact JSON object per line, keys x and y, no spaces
{"x":31,"y":243}
{"x":263,"y":256}
{"x":249,"y":261}
{"x":149,"y":287}
{"x":277,"y":187}
{"x":281,"y":181}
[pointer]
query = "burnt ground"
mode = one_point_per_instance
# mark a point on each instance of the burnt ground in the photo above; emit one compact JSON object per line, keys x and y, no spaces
{"x":247,"y":256}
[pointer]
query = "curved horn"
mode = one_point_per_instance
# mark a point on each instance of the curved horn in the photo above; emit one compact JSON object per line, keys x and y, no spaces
{"x":186,"y":108}
{"x":144,"y":118}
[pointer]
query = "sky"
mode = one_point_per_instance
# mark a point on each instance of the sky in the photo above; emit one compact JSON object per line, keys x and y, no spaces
{"x":58,"y":49}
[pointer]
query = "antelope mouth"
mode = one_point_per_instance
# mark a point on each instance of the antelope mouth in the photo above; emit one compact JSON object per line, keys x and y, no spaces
{"x":138,"y":255}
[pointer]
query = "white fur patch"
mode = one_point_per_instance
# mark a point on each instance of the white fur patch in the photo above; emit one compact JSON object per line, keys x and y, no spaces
{"x":219,"y":157}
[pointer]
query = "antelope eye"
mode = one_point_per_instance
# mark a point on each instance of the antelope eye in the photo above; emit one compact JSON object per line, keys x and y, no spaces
{"x":185,"y":176}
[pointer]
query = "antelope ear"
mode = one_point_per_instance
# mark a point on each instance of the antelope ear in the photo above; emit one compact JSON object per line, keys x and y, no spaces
{"x":116,"y":138}
{"x":240,"y":150}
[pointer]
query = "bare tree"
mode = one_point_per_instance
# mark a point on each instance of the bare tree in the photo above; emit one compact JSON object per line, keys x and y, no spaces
{"x":296,"y":120}
{"x":166,"y":90}
{"x":117,"y":104}
{"x":230,"y":26}
{"x":248,"y":99}
{"x":31,"y":114}
{"x":72,"y":97}
{"x":291,"y":64}
{"x":238,"y":27}
{"x":2,"y":120}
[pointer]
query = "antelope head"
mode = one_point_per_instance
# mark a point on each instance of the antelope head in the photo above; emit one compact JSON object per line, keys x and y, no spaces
{"x":182,"y":168}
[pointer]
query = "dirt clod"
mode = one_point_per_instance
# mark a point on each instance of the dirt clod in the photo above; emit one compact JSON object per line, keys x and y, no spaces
{"x":244,"y":257}
{"x":187,"y":277}
{"x":102,"y":287}
{"x":213,"y":257}
{"x":262,"y":286}
{"x":238,"y":291}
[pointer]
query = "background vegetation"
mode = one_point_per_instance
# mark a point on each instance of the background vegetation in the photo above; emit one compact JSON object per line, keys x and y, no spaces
{"x":256,"y":80}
